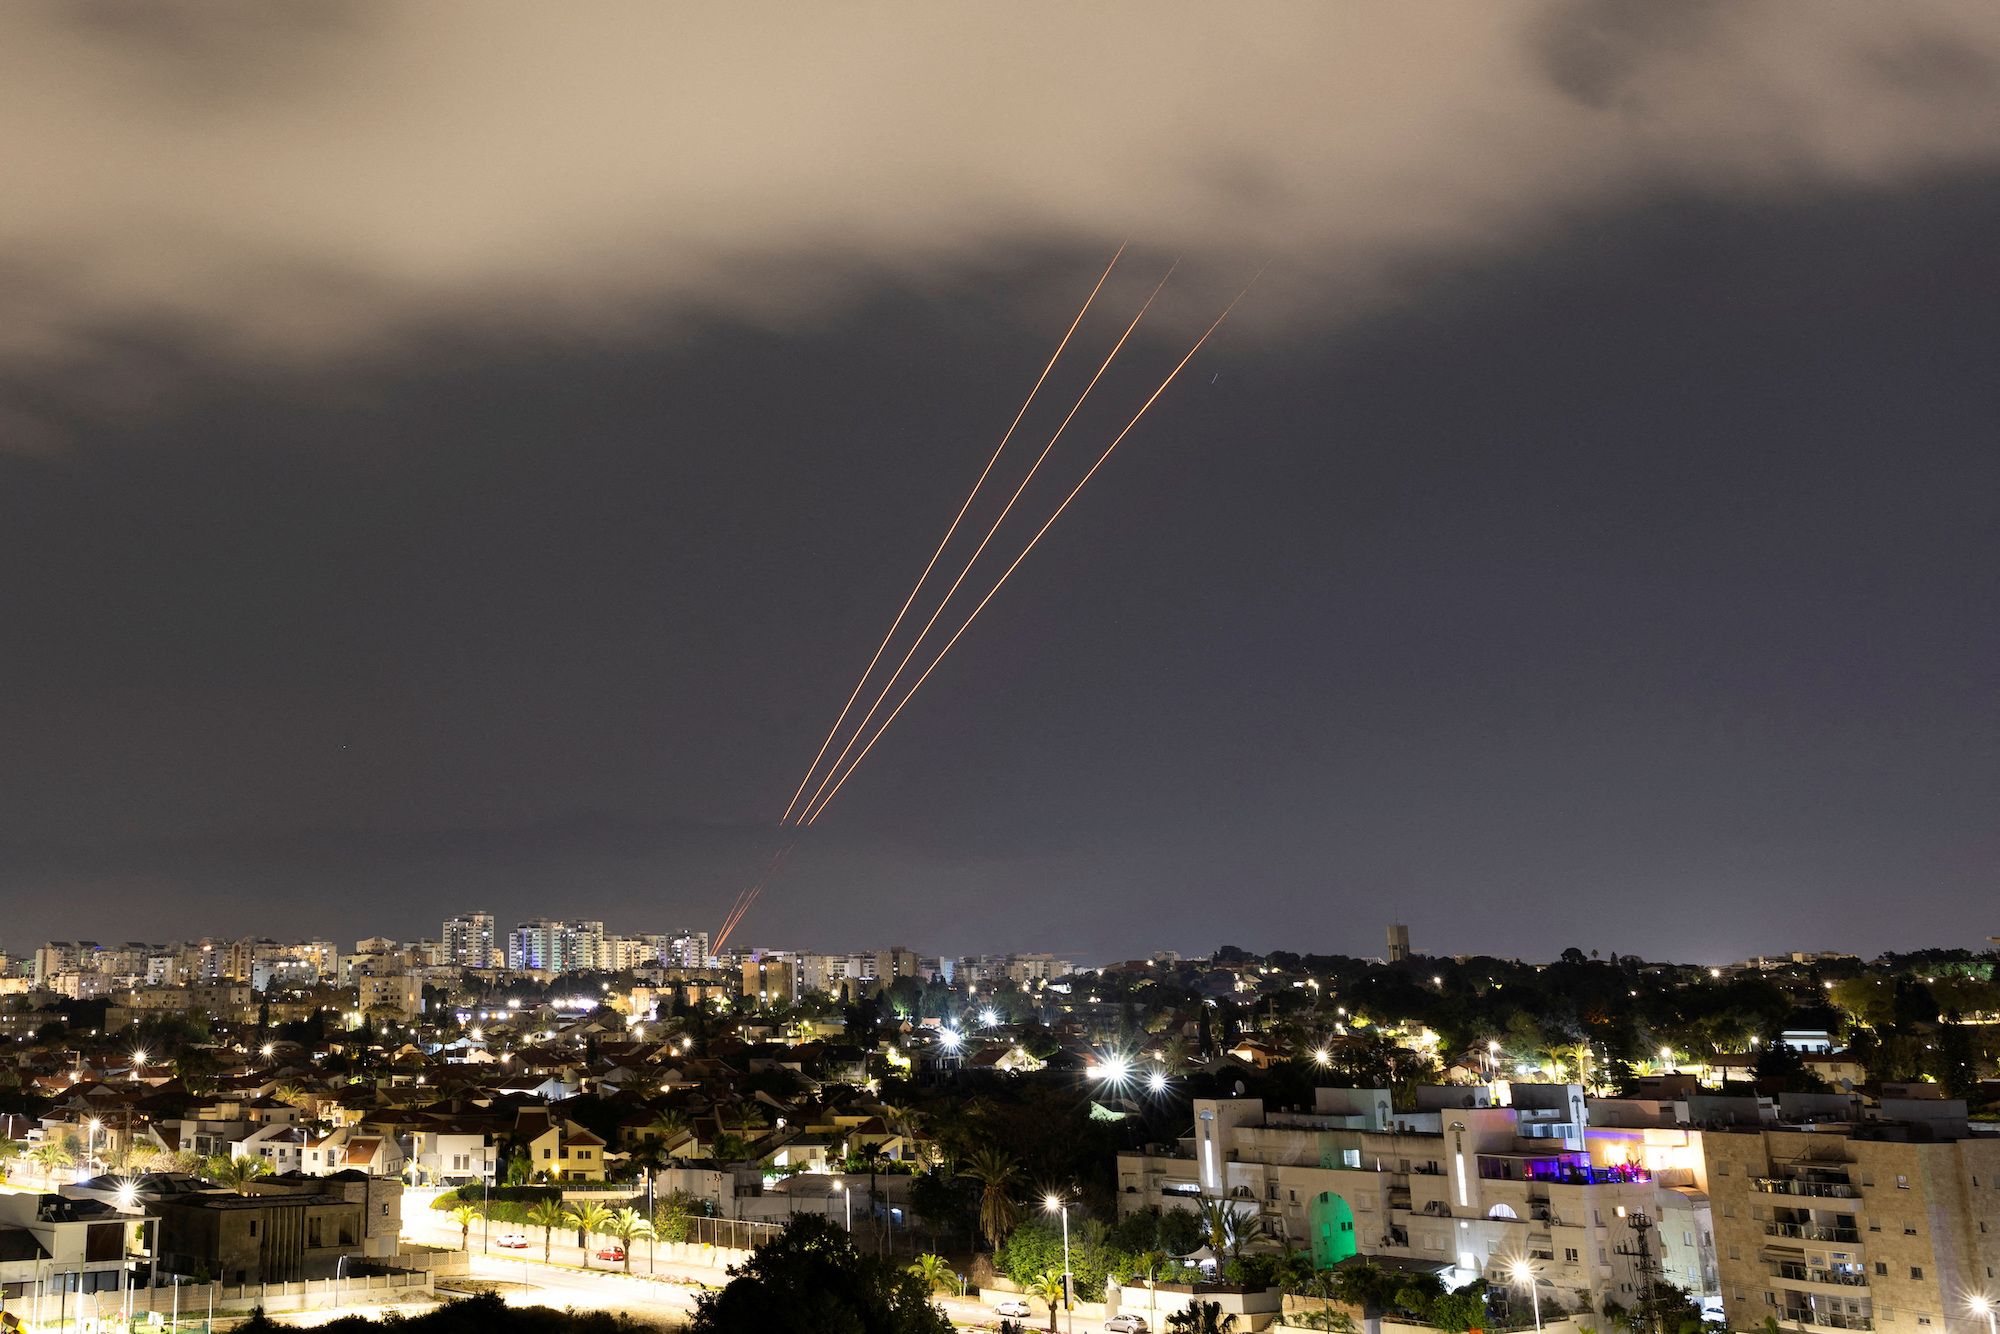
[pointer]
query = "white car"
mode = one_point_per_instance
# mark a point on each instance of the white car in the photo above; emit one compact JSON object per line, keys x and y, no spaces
{"x":1013,"y":1306}
{"x":1125,"y":1324}
{"x":511,"y":1241}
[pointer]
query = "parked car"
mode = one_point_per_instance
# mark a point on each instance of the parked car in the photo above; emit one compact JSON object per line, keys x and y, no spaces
{"x":612,"y":1253}
{"x":511,"y":1241}
{"x":1012,"y":1307}
{"x":1125,"y":1324}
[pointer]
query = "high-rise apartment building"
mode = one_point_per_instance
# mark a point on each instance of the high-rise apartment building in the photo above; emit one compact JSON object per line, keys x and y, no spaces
{"x":468,"y":940}
{"x":1831,"y":1220}
{"x":556,"y":947}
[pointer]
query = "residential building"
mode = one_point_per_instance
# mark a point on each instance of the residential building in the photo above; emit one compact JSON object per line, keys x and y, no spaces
{"x":1830,"y":1218}
{"x":87,"y":1241}
{"x":468,"y":940}
{"x":258,"y":1238}
{"x":555,"y":947}
{"x":1458,"y":1185}
{"x":399,"y":994}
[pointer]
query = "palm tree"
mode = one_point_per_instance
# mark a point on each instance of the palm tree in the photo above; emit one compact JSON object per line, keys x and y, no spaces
{"x":141,"y":1154}
{"x":1047,"y":1287}
{"x":548,"y":1216}
{"x":588,"y":1218}
{"x":1201,"y":1318}
{"x":998,"y":1173}
{"x":871,"y":1158}
{"x":936,"y":1273}
{"x":628,"y":1226}
{"x":463,"y":1214}
{"x":1223,"y":1226}
{"x":51,"y":1154}
{"x":235,"y":1173}
{"x":670,"y":1128}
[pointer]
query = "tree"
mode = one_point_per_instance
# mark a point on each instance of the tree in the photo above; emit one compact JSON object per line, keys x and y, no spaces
{"x":1224,"y":1225}
{"x":628,"y":1226}
{"x":235,"y":1173}
{"x":588,"y":1218}
{"x":872,"y":1158}
{"x":1047,"y":1287}
{"x":51,"y":1154}
{"x":811,"y":1278}
{"x":10,"y":1149}
{"x":670,"y":1216}
{"x":936,"y":1273}
{"x":1201,"y":1318}
{"x":997,"y":1174}
{"x":547,"y":1215}
{"x":463,"y":1215}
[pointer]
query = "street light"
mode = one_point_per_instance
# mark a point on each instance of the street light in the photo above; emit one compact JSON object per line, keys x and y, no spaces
{"x":90,"y":1153}
{"x":1056,"y":1204}
{"x":1523,"y":1273}
{"x":847,"y":1204}
{"x":1980,"y":1304}
{"x":1157,"y":1081}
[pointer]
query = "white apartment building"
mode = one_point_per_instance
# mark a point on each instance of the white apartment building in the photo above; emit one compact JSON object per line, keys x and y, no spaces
{"x":549,"y":946}
{"x":1463,"y":1187}
{"x":468,"y":940}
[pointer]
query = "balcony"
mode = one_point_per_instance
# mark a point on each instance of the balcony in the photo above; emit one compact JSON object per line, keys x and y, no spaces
{"x":1812,"y":1232}
{"x":1820,"y":1190}
{"x":1852,"y":1277}
{"x":1811,"y":1319}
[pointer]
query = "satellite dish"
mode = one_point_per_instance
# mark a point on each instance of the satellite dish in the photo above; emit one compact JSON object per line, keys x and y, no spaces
{"x":1239,"y":1088}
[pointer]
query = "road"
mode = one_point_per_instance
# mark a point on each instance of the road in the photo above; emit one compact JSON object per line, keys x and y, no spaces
{"x":666,"y":1294}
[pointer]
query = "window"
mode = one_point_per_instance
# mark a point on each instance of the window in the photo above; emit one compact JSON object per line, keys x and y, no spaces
{"x":1881,"y":1269}
{"x":1909,"y":1232}
{"x":253,"y":1227}
{"x":1722,"y":1169}
{"x":1729,"y":1209}
{"x":1569,"y":1255}
{"x":1902,"y":1182}
{"x":1916,"y":1271}
{"x":547,"y":1154}
{"x":1735,"y":1254}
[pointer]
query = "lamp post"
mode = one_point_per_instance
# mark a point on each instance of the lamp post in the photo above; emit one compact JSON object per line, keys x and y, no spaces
{"x":339,"y":1271}
{"x":90,"y":1153}
{"x":1523,"y":1273}
{"x":1983,"y":1305}
{"x":847,"y":1204}
{"x":1055,"y":1204}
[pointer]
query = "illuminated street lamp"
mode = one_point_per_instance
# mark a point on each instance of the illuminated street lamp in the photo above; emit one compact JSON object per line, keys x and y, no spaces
{"x":1156,"y":1082}
{"x":90,"y":1154}
{"x":1056,"y":1204}
{"x":1322,"y":1057}
{"x":988,"y":1017}
{"x":1980,"y":1304}
{"x":1524,"y":1274}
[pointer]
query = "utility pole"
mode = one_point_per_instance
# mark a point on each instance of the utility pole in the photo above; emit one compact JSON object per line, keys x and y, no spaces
{"x":1648,"y":1269}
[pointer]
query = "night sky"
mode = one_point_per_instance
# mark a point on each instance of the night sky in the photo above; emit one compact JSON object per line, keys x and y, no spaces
{"x":453,"y":462}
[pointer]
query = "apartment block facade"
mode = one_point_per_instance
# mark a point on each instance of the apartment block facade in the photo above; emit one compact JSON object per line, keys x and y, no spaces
{"x":1888,"y":1223}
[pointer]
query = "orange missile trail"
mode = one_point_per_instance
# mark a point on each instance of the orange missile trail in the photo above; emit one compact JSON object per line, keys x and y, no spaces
{"x":750,"y":895}
{"x":814,"y":811}
{"x":971,"y":560}
{"x":904,"y":610}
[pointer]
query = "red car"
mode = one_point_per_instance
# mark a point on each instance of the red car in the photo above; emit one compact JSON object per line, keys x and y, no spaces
{"x":612,"y":1253}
